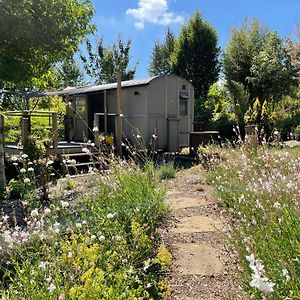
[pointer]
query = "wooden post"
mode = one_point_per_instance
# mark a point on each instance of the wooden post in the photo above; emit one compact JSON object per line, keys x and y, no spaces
{"x":105,"y":112}
{"x":119,"y":129}
{"x":2,"y":161}
{"x":54,"y":131}
{"x":96,"y":132}
{"x":25,"y":126}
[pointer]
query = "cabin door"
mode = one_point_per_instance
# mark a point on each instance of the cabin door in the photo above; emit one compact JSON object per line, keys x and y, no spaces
{"x":81,"y":119}
{"x":173,"y":141}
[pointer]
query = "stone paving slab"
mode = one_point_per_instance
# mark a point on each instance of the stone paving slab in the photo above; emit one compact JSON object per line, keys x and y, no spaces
{"x":198,"y":259}
{"x":195,"y":224}
{"x":180,"y":201}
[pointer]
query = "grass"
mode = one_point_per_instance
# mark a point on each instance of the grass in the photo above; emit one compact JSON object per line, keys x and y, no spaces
{"x":261,"y":190}
{"x":100,"y":245}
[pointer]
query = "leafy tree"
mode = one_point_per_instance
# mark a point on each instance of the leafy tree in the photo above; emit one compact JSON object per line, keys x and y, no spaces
{"x":256,"y":66}
{"x":36,"y":34}
{"x":195,"y":56}
{"x":68,"y":73}
{"x":104,"y":63}
{"x":161,"y":55}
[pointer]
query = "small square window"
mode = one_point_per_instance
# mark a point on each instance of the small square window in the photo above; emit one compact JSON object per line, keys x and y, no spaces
{"x":183,"y":108}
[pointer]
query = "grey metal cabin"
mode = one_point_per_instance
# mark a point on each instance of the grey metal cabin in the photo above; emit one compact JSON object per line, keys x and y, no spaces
{"x":159,"y":108}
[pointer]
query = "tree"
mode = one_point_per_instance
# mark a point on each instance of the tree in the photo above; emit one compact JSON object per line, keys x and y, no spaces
{"x":195,"y":56}
{"x":104,"y":63}
{"x":161,"y":55}
{"x":36,"y":34}
{"x":68,"y":73}
{"x":256,"y":66}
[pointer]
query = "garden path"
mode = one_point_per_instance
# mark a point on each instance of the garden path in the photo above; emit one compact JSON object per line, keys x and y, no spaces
{"x":202,"y":267}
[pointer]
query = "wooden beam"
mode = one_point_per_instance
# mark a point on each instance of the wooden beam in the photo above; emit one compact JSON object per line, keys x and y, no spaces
{"x":25,"y":126}
{"x":105,"y":112}
{"x":54,"y":130}
{"x":119,"y":129}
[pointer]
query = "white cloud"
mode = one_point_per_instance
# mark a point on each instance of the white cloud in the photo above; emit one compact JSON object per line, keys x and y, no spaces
{"x":154,"y":12}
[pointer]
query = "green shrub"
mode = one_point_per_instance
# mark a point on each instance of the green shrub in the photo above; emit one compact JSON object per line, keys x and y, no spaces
{"x":166,"y":171}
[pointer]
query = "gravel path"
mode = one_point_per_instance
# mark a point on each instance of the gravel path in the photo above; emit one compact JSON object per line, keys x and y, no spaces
{"x":202,"y":266}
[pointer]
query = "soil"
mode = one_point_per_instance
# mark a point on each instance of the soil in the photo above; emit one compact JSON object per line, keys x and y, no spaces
{"x":203,"y":267}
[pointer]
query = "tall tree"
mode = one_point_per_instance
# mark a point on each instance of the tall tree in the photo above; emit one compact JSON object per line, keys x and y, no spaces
{"x":104,"y":63}
{"x":256,"y":66}
{"x":68,"y":73}
{"x":195,"y":56}
{"x":36,"y":34}
{"x":161,"y":55}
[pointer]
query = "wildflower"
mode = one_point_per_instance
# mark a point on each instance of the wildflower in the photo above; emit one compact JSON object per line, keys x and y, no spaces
{"x":15,"y":163}
{"x":5,"y":218}
{"x":95,"y":129}
{"x":34,"y":213}
{"x":43,"y":265}
{"x":276,"y":205}
{"x":47,"y":211}
{"x":101,"y":238}
{"x":146,"y":264}
{"x":138,"y":136}
{"x":70,"y":254}
{"x":78,"y":225}
{"x":15,"y":158}
{"x":23,"y":170}
{"x":259,"y":280}
{"x":61,"y":297}
{"x":26,"y":180}
{"x":49,"y":162}
{"x":51,"y":288}
{"x":24,"y":156}
{"x":30,"y":169}
{"x":285,"y":273}
{"x":93,"y":237}
{"x":48,"y":279}
{"x":110,"y":216}
{"x":64,"y":204}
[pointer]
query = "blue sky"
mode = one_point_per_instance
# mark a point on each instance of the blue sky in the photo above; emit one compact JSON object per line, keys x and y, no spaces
{"x":146,"y":21}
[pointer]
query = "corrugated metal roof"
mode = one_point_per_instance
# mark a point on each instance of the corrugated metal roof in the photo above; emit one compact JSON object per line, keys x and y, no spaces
{"x":95,"y":88}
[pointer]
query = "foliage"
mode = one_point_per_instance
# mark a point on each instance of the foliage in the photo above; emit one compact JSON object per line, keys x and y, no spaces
{"x":68,"y":73}
{"x":37,"y":34}
{"x":33,"y":148}
{"x":261,"y":192}
{"x":100,"y":246}
{"x":161,"y":55}
{"x":256,"y":65}
{"x":166,"y":171}
{"x":104,"y":63}
{"x":195,"y":57}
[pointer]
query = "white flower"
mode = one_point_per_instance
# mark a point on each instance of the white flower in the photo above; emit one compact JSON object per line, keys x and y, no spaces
{"x":30,"y":169}
{"x":26,"y":180}
{"x":43,"y":265}
{"x":110,"y":216}
{"x":93,"y":237}
{"x":23,"y":170}
{"x":64,"y":204}
{"x":34,"y":213}
{"x":138,"y":136}
{"x":78,"y":225}
{"x":15,"y":163}
{"x":95,"y":129}
{"x":276,"y":205}
{"x":101,"y":238}
{"x":49,"y":162}
{"x":47,"y":211}
{"x":262,"y":283}
{"x":70,"y":254}
{"x":51,"y":288}
{"x":285,"y":273}
{"x":24,"y":155}
{"x":15,"y":158}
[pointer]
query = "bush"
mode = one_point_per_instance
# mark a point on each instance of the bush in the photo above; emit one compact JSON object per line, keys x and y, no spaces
{"x":166,"y":171}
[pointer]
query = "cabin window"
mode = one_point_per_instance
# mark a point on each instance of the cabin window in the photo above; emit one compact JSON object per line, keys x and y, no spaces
{"x":80,"y":106}
{"x":183,"y":107}
{"x":183,"y":87}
